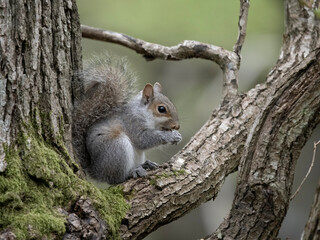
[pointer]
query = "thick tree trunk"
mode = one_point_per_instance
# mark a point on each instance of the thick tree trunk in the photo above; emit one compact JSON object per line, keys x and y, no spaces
{"x":39,"y":50}
{"x":41,"y":187}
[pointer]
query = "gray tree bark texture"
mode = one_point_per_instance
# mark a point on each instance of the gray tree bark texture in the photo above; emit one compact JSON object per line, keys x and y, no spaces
{"x":40,"y":48}
{"x":259,"y":133}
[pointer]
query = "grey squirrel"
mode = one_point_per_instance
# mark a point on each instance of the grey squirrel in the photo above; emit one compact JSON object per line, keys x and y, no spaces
{"x":112,"y":127}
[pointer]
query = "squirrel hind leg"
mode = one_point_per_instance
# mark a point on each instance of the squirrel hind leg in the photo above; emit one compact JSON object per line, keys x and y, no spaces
{"x":141,"y":170}
{"x":137,"y":172}
{"x":112,"y":158}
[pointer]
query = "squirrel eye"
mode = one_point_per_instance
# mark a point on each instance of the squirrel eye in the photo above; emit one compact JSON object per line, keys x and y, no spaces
{"x":162,"y":109}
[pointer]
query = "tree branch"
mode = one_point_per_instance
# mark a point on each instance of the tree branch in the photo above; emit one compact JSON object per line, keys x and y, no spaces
{"x":197,"y":173}
{"x":231,"y":72}
{"x":242,"y":25}
{"x":274,"y":143}
{"x":228,"y":61}
{"x":185,"y":50}
{"x":310,"y":168}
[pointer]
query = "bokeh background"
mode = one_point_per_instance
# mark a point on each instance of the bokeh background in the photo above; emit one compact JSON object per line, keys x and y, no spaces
{"x":195,"y":85}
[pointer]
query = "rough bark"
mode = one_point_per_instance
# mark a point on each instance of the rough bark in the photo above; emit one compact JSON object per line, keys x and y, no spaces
{"x":39,"y":49}
{"x":267,"y":166}
{"x":42,"y":193}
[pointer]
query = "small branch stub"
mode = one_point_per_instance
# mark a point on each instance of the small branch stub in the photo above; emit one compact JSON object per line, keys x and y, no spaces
{"x":242,"y":25}
{"x":309,"y":170}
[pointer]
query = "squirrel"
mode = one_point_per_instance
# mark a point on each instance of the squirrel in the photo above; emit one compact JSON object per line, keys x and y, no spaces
{"x":113,"y":125}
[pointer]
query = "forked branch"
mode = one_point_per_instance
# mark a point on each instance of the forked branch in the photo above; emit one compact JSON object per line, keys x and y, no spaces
{"x":229,"y":61}
{"x":185,"y":50}
{"x":230,"y":76}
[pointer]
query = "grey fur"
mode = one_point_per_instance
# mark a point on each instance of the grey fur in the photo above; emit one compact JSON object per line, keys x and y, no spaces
{"x":108,"y":86}
{"x":111,"y":132}
{"x":114,"y":161}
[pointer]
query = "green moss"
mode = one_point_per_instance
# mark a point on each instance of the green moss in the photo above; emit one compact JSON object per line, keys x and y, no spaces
{"x":175,"y":173}
{"x":152,"y":181}
{"x":26,"y":205}
{"x":112,"y":205}
{"x":38,"y":181}
{"x":317,"y":13}
{"x":178,"y":172}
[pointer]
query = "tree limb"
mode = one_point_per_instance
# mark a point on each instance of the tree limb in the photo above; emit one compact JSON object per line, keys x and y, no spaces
{"x":185,"y":50}
{"x":242,"y":25}
{"x":277,"y":136}
{"x":309,"y":170}
{"x":197,"y":173}
{"x":273,"y":145}
{"x":231,"y":72}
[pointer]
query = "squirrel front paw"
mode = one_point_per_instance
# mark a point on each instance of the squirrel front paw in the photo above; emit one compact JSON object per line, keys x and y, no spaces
{"x":176,"y":137}
{"x":173,"y":137}
{"x":138,"y":172}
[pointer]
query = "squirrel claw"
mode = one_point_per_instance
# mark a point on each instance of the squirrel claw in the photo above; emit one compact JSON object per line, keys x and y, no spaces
{"x":150,"y":165}
{"x":138,"y":172}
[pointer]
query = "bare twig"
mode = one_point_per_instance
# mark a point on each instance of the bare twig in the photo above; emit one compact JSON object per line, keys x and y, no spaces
{"x":230,"y":83}
{"x":185,"y":50}
{"x":310,"y":168}
{"x":242,"y":24}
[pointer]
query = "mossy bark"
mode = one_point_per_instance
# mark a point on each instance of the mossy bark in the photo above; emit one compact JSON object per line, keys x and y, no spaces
{"x":40,"y":184}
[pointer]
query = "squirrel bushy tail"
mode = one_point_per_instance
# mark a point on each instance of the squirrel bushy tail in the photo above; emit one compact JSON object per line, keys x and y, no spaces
{"x":108,"y":84}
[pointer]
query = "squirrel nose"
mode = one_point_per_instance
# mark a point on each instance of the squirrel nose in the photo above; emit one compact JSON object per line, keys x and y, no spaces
{"x":176,"y":126}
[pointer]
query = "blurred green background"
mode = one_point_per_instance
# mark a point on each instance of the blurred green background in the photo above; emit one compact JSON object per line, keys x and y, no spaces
{"x":195,"y":85}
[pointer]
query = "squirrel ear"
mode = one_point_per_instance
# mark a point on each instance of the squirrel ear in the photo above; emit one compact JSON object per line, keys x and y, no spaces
{"x":147,"y":93}
{"x":157,"y":87}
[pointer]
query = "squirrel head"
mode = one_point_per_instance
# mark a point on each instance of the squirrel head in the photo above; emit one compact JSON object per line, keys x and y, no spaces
{"x":164,"y":112}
